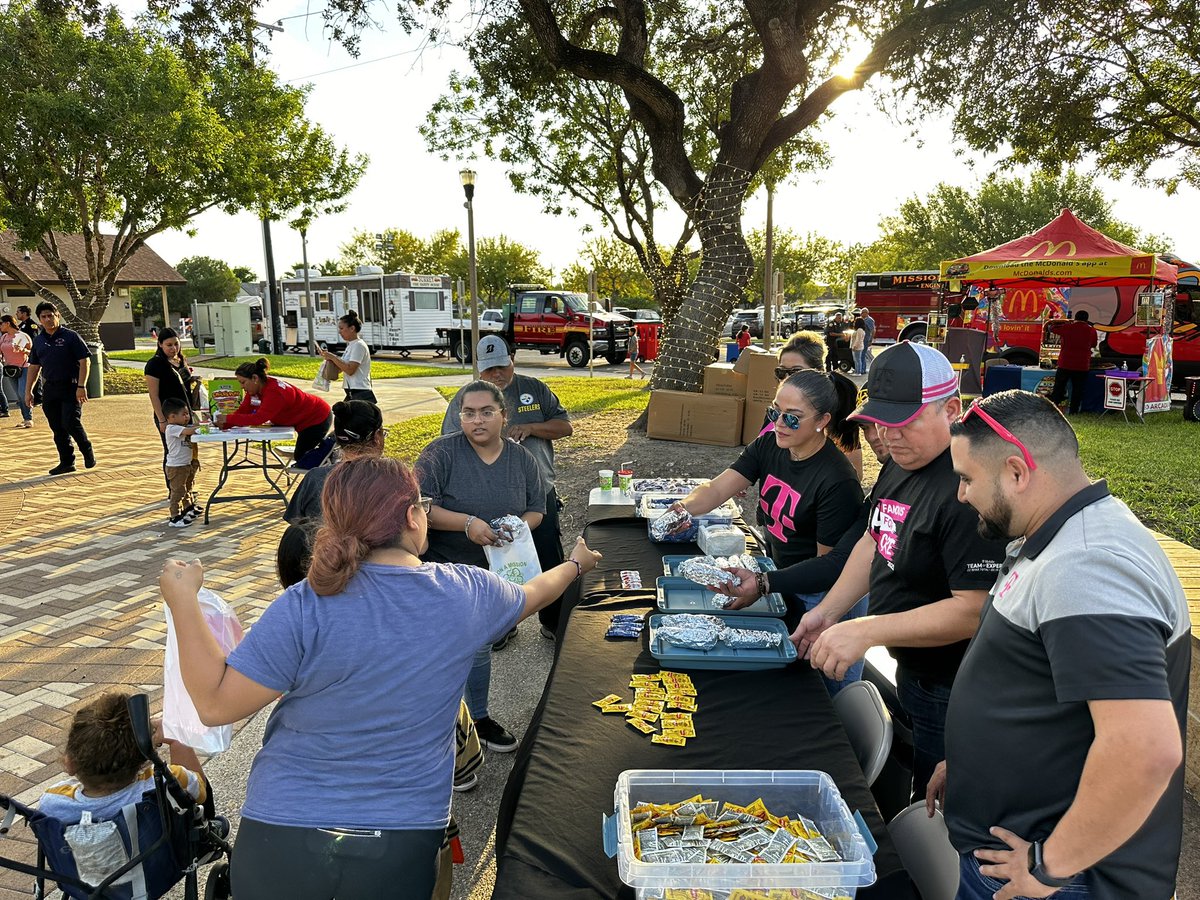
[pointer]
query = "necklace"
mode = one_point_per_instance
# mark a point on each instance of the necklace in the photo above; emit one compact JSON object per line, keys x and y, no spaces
{"x":815,"y":451}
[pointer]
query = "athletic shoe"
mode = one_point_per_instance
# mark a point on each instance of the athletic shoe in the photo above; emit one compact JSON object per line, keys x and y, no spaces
{"x":503,"y":642}
{"x":26,"y":423}
{"x":4,"y":415}
{"x":89,"y":459}
{"x":63,"y":469}
{"x":180,"y":521}
{"x":190,"y":514}
{"x":494,"y":736}
{"x":548,"y":634}
{"x":467,"y":783}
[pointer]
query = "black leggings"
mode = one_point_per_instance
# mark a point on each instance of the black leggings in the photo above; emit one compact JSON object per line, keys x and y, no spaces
{"x":307,"y":438}
{"x":274,"y":861}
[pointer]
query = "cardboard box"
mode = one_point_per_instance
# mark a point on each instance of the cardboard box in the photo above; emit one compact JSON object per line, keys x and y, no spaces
{"x":752,"y":420}
{"x":742,"y":366}
{"x":760,"y":378}
{"x":721,"y":380}
{"x":695,"y":418}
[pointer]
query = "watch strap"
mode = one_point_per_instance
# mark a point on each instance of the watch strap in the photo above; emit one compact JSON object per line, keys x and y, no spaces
{"x":1038,"y":870}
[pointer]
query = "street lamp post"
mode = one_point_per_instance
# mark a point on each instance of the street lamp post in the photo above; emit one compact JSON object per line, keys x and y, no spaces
{"x":467,"y":176}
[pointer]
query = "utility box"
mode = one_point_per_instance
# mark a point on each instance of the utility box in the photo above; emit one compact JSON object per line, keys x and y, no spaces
{"x":226,"y":326}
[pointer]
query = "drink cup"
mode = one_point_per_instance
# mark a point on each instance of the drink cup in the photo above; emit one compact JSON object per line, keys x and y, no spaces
{"x":606,"y":479}
{"x":625,"y":477}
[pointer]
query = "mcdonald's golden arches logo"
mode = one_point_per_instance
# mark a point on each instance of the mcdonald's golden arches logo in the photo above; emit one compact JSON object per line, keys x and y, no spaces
{"x":1051,"y":248}
{"x":1023,"y":301}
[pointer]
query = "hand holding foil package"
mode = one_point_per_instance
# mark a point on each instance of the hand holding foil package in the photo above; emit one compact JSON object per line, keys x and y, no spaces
{"x":706,"y":570}
{"x":670,"y":524}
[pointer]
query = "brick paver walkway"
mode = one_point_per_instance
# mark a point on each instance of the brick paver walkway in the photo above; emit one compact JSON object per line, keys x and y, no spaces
{"x":79,"y":606}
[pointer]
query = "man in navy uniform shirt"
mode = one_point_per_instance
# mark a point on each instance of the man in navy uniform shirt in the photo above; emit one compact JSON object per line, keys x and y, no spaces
{"x":60,"y":358}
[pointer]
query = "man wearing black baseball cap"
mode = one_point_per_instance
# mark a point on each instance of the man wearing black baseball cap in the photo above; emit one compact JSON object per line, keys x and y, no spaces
{"x":921,"y":558}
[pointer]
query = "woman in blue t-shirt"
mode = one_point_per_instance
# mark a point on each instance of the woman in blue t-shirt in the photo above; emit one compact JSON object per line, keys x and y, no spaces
{"x":349,"y":796}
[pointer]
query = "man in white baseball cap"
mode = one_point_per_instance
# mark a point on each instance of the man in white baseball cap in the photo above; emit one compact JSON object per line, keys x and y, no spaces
{"x":921,"y":558}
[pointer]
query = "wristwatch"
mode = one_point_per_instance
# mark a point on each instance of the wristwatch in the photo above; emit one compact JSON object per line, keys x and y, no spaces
{"x":1038,"y":870}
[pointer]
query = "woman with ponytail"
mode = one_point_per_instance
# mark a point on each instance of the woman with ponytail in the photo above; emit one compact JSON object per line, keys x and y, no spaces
{"x":349,"y":796}
{"x":355,"y":361}
{"x":269,"y":401}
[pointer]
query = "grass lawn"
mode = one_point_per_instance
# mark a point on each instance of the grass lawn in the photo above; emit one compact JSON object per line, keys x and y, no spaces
{"x":583,"y":396}
{"x":1153,"y":468}
{"x":289,"y":366}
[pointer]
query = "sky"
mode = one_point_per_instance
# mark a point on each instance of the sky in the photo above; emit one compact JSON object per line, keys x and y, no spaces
{"x":375,"y":104}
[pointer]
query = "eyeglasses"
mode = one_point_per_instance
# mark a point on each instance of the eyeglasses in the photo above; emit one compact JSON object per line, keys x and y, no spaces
{"x":426,"y":503}
{"x":1001,"y":432}
{"x":790,"y":421}
{"x":486,"y":414}
{"x":781,"y":372}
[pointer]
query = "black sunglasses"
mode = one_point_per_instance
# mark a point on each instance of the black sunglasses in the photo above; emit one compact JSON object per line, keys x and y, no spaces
{"x":790,"y":421}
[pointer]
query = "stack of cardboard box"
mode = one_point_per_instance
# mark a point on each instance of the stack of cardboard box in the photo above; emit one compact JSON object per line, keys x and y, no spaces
{"x":730,"y":411}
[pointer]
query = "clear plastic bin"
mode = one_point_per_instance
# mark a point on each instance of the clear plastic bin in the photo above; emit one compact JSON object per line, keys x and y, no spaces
{"x":792,"y":793}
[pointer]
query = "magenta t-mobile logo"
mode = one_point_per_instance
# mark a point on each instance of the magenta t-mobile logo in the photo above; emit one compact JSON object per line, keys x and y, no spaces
{"x":886,"y":519}
{"x":782,"y":508}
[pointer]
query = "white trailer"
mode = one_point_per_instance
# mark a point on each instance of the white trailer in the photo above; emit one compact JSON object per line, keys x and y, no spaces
{"x":400,"y":311}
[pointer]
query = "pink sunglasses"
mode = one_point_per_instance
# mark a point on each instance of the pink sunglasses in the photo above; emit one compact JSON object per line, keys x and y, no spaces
{"x":1001,"y":432}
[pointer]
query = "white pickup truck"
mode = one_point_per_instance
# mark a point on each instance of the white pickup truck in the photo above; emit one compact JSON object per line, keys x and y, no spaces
{"x":490,"y":321}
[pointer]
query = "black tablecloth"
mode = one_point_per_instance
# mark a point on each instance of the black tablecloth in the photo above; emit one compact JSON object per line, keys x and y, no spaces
{"x":548,"y":840}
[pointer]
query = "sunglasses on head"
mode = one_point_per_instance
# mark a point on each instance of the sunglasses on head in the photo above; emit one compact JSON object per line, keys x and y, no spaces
{"x":784,"y":372}
{"x":790,"y":421}
{"x":1001,"y":432}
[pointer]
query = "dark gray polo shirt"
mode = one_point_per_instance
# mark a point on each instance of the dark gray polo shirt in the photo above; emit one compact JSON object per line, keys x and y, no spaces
{"x":1087,"y":608}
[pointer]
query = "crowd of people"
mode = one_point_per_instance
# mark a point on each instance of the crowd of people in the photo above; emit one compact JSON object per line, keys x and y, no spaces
{"x":1040,"y":634}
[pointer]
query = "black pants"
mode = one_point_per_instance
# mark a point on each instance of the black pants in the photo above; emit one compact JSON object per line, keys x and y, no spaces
{"x":308,"y":438}
{"x":1078,"y":382}
{"x":361,"y":394}
{"x":275,"y":861}
{"x":547,"y":537}
{"x":64,"y":413}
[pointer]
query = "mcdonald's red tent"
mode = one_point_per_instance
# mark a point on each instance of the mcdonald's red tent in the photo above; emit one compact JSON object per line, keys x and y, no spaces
{"x":1065,"y":252}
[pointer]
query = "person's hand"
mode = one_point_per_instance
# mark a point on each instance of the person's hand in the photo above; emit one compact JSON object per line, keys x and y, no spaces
{"x":1011,"y":865}
{"x":744,"y":593}
{"x":585,"y":556}
{"x":220,"y":420}
{"x":325,"y":354}
{"x":29,"y":398}
{"x":482,"y":534}
{"x":162,"y":425}
{"x":811,"y":626}
{"x":518,"y":433}
{"x":180,"y":582}
{"x":935,"y":793}
{"x":159,"y":739}
{"x":685,"y":522}
{"x":839,"y":647}
{"x":81,"y":395}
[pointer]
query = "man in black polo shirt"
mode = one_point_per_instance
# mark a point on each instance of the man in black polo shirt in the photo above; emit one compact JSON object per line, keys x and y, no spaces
{"x":60,"y":358}
{"x":1064,"y":738}
{"x":921,"y":560}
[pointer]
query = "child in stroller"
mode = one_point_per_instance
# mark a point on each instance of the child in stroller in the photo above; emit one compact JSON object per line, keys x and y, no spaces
{"x":117,"y":829}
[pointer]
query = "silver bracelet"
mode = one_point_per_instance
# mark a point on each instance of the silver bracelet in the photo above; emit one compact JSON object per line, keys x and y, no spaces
{"x":467,"y":527}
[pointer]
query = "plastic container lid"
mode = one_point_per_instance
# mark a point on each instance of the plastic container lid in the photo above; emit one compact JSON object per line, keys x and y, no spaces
{"x":678,"y":595}
{"x":723,"y":656}
{"x":807,"y":793}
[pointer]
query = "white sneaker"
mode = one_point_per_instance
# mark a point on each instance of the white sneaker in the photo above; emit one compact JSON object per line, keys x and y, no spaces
{"x":180,"y":521}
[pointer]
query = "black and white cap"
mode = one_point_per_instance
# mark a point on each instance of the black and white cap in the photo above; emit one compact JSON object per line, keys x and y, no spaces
{"x":903,"y":379}
{"x":493,"y":352}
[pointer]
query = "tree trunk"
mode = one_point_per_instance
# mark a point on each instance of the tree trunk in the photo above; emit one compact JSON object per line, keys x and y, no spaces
{"x":725,"y":268}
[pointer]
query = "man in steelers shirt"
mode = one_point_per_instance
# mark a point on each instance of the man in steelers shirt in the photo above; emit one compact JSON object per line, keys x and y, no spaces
{"x":536,"y":419}
{"x":921,"y":559}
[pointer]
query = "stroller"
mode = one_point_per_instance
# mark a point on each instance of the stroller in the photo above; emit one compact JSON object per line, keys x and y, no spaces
{"x":167,"y":836}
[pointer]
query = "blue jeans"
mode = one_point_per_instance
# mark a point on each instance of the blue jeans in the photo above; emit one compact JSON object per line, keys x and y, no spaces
{"x":974,"y":885}
{"x":926,"y":704}
{"x":859,"y":609}
{"x":17,"y":386}
{"x":478,"y":682}
{"x":860,"y":362}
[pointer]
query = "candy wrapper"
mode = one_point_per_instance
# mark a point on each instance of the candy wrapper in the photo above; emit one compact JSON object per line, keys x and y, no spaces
{"x":669,"y":524}
{"x":506,"y":527}
{"x":707,"y":571}
{"x":630,"y":579}
{"x":625,"y":625}
{"x":680,"y":486}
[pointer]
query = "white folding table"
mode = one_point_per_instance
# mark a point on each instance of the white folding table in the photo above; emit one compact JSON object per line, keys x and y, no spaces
{"x":240,"y":455}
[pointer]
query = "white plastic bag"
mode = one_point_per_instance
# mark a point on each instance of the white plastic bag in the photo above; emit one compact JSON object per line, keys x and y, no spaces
{"x":516,"y":561}
{"x":321,"y":382}
{"x":181,"y":722}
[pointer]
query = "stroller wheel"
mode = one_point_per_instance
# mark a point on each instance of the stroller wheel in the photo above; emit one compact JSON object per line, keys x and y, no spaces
{"x":217,"y":886}
{"x":219,"y":826}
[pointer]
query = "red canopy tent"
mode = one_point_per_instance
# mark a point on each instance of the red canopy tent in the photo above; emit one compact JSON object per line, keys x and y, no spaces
{"x":1067,"y":253}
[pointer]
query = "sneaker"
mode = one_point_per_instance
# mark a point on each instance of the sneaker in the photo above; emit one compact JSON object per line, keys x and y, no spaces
{"x":4,"y":415}
{"x":493,"y":736}
{"x":191,"y":514}
{"x":179,"y":521}
{"x":503,"y":642}
{"x":63,"y":469}
{"x":548,"y":634}
{"x":467,"y":783}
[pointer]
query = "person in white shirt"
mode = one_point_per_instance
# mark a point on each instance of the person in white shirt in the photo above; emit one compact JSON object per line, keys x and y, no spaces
{"x":355,"y":361}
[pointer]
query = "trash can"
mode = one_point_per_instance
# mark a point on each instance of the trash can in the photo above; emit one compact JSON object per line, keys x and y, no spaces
{"x":732,"y":352}
{"x":95,"y":381}
{"x":1191,"y":403}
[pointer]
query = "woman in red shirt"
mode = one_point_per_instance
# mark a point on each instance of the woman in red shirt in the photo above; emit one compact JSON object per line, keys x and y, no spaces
{"x":271,"y":401}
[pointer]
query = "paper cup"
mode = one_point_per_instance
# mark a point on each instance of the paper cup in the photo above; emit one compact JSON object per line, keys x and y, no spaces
{"x":606,"y":479}
{"x":626,"y":479}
